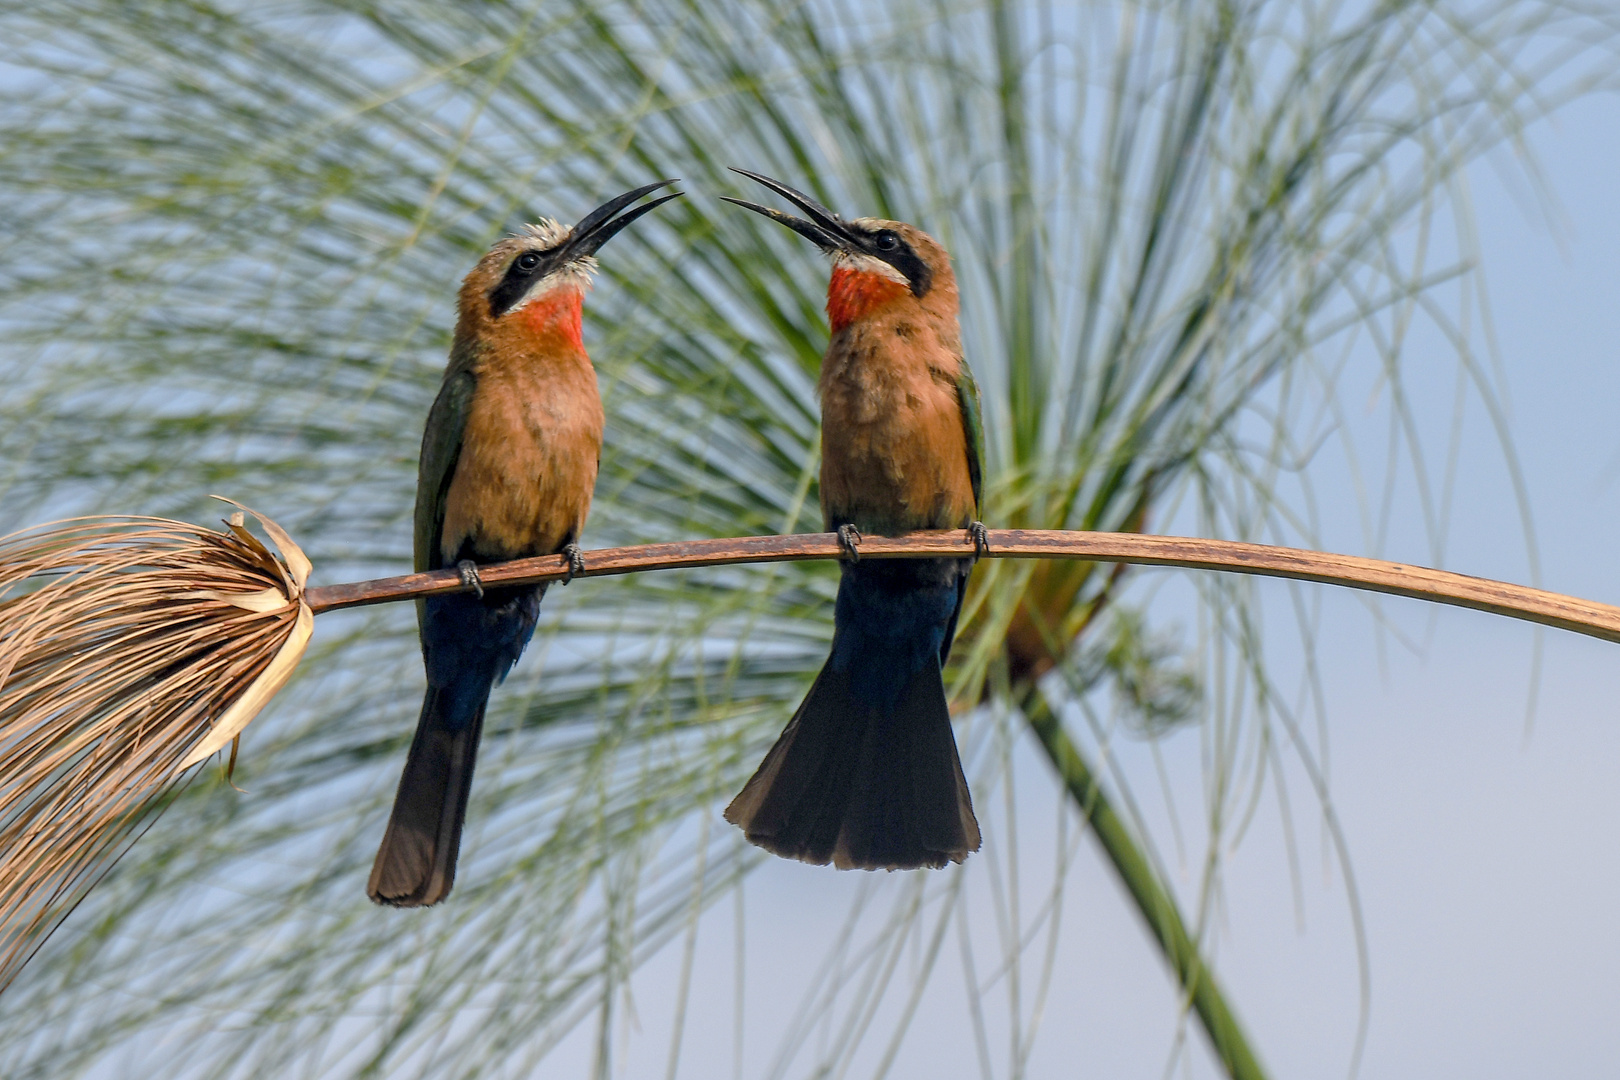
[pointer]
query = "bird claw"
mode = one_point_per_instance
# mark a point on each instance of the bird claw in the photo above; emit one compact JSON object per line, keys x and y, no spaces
{"x":981,"y":539}
{"x":576,"y":562}
{"x":469,"y":576}
{"x":849,"y":538}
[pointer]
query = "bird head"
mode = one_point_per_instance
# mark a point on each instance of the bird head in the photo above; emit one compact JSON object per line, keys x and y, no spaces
{"x":878,"y":265}
{"x":535,"y":280}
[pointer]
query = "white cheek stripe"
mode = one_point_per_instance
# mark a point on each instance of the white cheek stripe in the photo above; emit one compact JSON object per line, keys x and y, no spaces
{"x":572,"y":276}
{"x":867,"y":264}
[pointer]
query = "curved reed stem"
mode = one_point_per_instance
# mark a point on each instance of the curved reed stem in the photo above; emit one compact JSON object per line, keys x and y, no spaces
{"x":1375,"y":575}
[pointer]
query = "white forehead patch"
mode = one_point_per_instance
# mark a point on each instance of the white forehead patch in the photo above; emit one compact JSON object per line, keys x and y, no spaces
{"x":547,"y":231}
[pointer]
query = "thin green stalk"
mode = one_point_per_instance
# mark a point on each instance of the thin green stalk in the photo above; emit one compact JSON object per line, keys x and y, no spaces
{"x":1153,"y":900}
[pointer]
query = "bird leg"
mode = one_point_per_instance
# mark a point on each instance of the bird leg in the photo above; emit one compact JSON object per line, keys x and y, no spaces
{"x":981,"y":539}
{"x":469,"y":576}
{"x":576,"y":562}
{"x":849,"y":538}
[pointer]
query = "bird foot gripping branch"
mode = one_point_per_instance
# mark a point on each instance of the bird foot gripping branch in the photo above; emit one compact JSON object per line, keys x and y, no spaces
{"x":849,"y":539}
{"x":469,"y":577}
{"x":981,"y":539}
{"x":576,"y":562}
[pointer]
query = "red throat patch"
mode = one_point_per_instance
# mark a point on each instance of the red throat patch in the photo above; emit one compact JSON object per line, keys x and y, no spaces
{"x":854,"y":294}
{"x":559,"y":315}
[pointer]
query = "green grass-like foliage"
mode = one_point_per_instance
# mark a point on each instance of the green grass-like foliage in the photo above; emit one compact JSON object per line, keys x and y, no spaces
{"x":232,"y":234}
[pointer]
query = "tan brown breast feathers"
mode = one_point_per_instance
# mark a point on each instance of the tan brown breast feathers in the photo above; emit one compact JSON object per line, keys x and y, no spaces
{"x":894,"y":451}
{"x":528,"y":458}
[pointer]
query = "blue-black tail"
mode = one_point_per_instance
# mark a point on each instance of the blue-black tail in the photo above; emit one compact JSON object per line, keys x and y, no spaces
{"x":866,"y":774}
{"x":468,"y":645}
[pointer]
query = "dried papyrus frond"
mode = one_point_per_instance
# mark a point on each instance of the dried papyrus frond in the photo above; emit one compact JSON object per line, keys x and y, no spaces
{"x":130,"y":648}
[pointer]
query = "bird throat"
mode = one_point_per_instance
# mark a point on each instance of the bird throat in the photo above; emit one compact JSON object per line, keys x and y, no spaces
{"x":556,"y":316}
{"x":854,"y":294}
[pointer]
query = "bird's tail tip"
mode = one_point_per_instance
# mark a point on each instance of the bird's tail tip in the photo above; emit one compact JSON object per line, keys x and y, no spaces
{"x":863,"y":787}
{"x":416,"y":862}
{"x":404,"y":874}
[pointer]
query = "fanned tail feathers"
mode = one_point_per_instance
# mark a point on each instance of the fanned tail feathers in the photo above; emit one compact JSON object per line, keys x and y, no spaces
{"x":860,"y":786}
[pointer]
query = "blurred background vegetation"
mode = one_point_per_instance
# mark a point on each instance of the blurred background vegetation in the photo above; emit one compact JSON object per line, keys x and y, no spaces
{"x":232,"y":235}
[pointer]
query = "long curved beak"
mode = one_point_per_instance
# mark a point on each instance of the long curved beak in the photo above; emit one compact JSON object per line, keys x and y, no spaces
{"x":825,"y":229}
{"x":600,"y":225}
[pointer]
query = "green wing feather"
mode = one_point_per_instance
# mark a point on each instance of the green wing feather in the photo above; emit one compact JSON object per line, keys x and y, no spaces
{"x":441,"y":446}
{"x":967,"y":394}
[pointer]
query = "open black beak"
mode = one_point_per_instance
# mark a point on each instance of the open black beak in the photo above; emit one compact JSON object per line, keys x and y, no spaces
{"x":599,"y":226}
{"x":825,"y":229}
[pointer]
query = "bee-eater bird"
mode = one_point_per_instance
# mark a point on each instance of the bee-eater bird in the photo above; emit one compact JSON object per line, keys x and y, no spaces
{"x":509,"y":460}
{"x":866,"y":774}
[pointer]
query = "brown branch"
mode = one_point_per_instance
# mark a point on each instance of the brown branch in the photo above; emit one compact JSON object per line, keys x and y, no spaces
{"x":1399,"y":579}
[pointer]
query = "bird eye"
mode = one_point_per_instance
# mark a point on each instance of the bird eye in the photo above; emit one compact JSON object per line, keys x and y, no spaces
{"x":527,"y":261}
{"x":887,"y":240}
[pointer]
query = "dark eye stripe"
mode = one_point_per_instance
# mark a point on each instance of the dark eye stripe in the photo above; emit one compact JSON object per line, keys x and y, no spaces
{"x":503,"y":297}
{"x":904,"y":259}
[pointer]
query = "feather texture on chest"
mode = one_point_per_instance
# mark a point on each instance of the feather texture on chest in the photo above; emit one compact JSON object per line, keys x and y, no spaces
{"x":528,"y":457}
{"x":894,"y":450}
